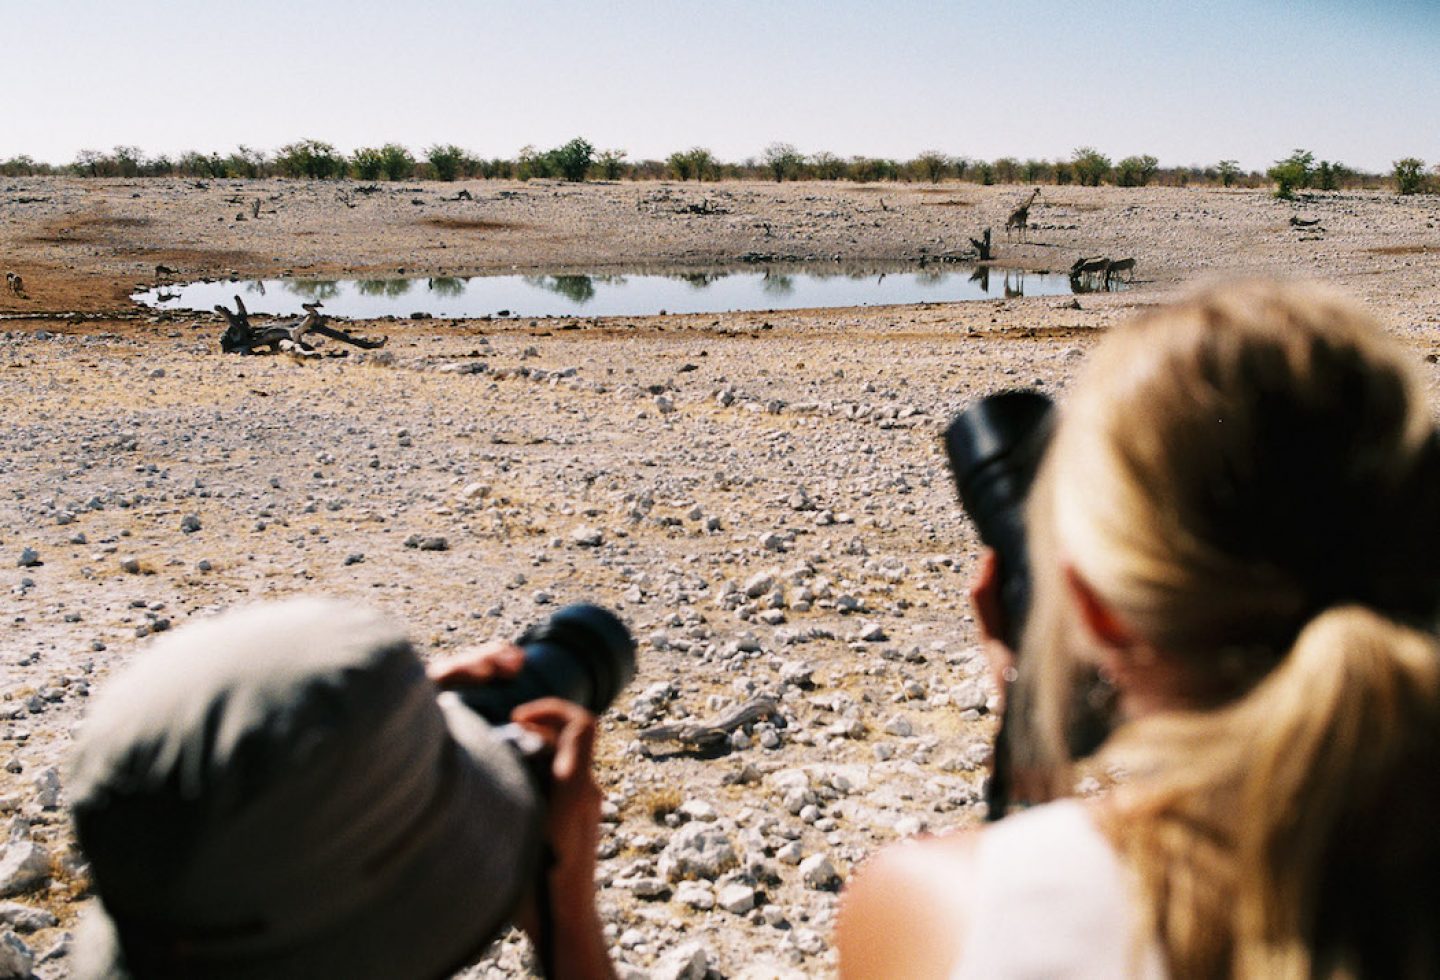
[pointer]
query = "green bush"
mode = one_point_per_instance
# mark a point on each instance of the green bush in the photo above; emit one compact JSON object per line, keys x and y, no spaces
{"x":446,"y":160}
{"x":1409,"y":175}
{"x":366,"y":163}
{"x":827,"y":166}
{"x":931,"y":164}
{"x":314,"y":159}
{"x":611,"y":164}
{"x":983,"y":172}
{"x":783,"y":161}
{"x":1135,"y":171}
{"x":1294,"y":172}
{"x":1228,"y":171}
{"x":1331,"y":176}
{"x":1007,"y":170}
{"x":572,"y":161}
{"x":1090,"y":166}
{"x":396,"y":161}
{"x":1034,"y":171}
{"x":866,"y":170}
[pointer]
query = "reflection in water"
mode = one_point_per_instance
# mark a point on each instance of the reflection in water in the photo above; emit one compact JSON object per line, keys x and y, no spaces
{"x":389,"y":288}
{"x":699,"y":280}
{"x":777,"y":284}
{"x":312,"y":290}
{"x":643,"y":292}
{"x":577,"y":289}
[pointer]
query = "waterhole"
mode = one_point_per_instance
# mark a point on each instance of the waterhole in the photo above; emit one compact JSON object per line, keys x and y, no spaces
{"x":638,"y":293}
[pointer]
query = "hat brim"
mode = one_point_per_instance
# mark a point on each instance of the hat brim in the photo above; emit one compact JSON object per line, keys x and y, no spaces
{"x":460,"y":886}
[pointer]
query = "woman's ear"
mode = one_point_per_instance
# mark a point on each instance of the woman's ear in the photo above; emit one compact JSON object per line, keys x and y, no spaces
{"x":1097,"y":616}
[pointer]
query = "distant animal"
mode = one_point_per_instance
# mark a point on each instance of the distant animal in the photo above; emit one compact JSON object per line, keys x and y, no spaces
{"x":1117,"y":266}
{"x":164,"y":270}
{"x":16,"y":284}
{"x":1020,"y":217}
{"x":1088,"y":266}
{"x":1300,"y":222}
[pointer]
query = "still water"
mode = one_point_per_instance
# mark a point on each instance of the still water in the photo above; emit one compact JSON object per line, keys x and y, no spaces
{"x":642,"y":293}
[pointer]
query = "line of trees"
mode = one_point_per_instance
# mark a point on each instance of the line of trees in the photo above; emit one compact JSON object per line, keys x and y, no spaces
{"x":579,"y":160}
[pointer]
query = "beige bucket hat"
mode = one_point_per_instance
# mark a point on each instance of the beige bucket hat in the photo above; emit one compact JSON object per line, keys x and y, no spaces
{"x":280,"y":792}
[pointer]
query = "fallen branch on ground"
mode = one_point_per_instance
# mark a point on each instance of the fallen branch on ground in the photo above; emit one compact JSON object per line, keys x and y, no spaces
{"x":242,"y":338}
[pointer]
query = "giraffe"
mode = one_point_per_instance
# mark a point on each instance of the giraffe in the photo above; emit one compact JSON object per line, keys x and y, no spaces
{"x":1020,"y":217}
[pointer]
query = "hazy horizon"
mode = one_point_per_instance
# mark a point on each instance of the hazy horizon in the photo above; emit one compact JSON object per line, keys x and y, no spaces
{"x":1190,"y":83}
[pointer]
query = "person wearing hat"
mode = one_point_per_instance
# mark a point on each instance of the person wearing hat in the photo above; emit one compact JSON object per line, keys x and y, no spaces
{"x":282,"y":792}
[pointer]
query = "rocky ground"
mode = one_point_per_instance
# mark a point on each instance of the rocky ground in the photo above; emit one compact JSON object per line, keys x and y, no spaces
{"x":762,"y":496}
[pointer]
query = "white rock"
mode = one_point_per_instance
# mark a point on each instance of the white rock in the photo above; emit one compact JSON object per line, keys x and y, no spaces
{"x":698,"y":851}
{"x":899,"y":725}
{"x":16,"y":960}
{"x":688,"y":962}
{"x":696,"y":894}
{"x":587,"y":537}
{"x":24,"y":918}
{"x":819,"y":873}
{"x":23,"y":866}
{"x":47,"y":788}
{"x":698,"y":810}
{"x":736,"y":898}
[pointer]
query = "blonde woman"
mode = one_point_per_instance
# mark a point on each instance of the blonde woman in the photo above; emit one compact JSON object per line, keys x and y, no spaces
{"x":1238,"y":526}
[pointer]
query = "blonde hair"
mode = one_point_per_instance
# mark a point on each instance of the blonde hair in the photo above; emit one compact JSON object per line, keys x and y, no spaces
{"x":1250,"y":481}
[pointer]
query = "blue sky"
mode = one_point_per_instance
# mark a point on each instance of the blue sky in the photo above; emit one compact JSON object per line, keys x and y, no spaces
{"x":1188,"y":82}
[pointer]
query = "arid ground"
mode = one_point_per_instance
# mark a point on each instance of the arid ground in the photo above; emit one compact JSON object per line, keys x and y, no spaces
{"x":761,"y":495}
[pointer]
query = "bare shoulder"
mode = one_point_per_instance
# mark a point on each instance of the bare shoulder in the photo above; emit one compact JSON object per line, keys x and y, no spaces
{"x":905,"y":910}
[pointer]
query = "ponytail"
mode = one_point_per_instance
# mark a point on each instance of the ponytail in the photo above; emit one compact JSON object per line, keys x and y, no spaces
{"x":1343,"y":759}
{"x":1291,"y":833}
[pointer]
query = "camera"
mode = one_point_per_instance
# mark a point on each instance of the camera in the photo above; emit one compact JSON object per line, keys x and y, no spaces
{"x":995,"y":447}
{"x":582,"y":654}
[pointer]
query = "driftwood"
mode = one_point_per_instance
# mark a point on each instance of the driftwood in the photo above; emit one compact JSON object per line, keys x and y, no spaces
{"x":713,"y":737}
{"x":242,"y":338}
{"x":982,"y":246}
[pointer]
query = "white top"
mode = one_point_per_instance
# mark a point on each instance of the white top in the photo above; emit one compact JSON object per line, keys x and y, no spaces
{"x":1053,"y":901}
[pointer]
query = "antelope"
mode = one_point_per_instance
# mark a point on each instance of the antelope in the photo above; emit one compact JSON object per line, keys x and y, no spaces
{"x":1020,"y":217}
{"x":16,"y":284}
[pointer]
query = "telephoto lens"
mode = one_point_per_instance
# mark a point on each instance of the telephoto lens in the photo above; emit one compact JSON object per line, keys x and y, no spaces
{"x":995,"y":447}
{"x":583,"y":654}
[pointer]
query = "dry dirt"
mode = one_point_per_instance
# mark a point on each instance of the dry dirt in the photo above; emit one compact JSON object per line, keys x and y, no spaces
{"x":707,"y":451}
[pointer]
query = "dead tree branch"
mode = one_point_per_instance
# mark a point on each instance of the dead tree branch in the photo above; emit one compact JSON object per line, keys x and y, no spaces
{"x":241,"y":337}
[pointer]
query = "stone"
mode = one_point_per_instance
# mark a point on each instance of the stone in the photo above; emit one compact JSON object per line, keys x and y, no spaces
{"x":688,"y":962}
{"x":698,"y":851}
{"x":587,"y":537}
{"x":47,"y":788}
{"x":16,"y":959}
{"x":819,"y":873}
{"x":24,"y":866}
{"x":695,"y":894}
{"x":698,"y":810}
{"x":758,"y":585}
{"x":190,"y":523}
{"x":26,"y":918}
{"x":130,"y":566}
{"x":736,"y":898}
{"x":899,"y":725}
{"x":29,"y":558}
{"x":872,"y":633}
